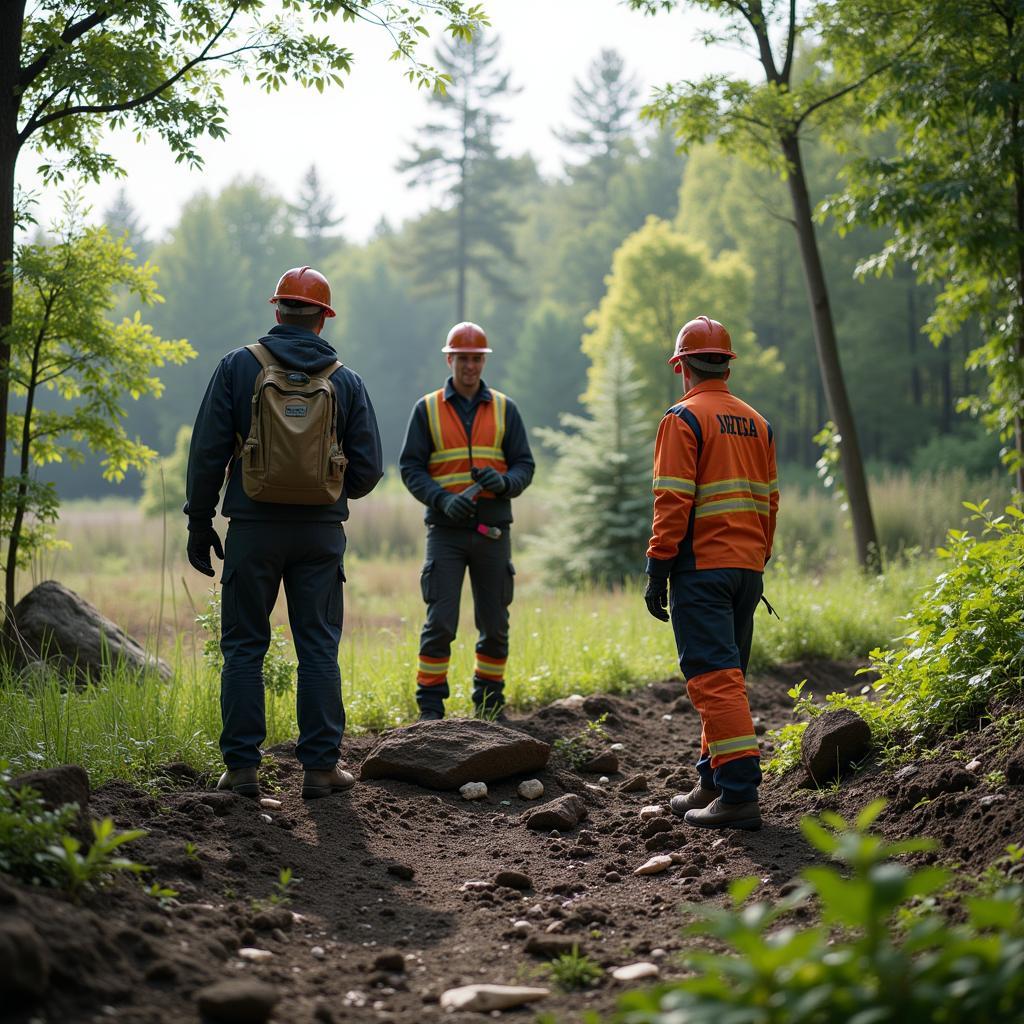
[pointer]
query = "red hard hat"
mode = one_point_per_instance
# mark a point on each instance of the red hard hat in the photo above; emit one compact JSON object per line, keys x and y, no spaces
{"x":305,"y":285}
{"x":702,"y":336}
{"x":466,"y":337}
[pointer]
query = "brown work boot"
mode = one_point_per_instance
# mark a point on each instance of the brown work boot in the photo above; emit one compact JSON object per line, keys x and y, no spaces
{"x":243,"y":781}
{"x":698,"y":797}
{"x":719,"y":814}
{"x":323,"y":783}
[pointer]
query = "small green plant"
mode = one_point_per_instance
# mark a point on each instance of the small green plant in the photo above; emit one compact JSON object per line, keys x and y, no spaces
{"x":81,"y":871}
{"x":853,"y":965}
{"x":572,"y":971}
{"x":165,"y":896}
{"x":191,"y":852}
{"x":28,"y":831}
{"x":579,"y":748}
{"x":281,"y":894}
{"x":278,"y":668}
{"x":995,"y":779}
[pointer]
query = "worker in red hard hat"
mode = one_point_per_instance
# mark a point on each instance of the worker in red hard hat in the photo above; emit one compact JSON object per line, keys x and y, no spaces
{"x":297,"y":537}
{"x":465,"y":456}
{"x":716,"y":499}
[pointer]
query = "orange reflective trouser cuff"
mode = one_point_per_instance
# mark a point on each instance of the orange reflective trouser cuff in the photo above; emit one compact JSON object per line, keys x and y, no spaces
{"x":720,"y":698}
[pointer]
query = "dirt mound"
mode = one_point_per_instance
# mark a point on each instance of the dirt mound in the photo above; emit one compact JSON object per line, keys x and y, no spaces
{"x":401,"y":893}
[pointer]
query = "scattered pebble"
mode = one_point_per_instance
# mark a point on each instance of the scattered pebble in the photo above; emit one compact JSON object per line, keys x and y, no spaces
{"x":267,"y":818}
{"x":604,"y":780}
{"x":612,"y":877}
{"x":521,"y":926}
{"x":473,"y":790}
{"x":269,"y":801}
{"x":390,"y":961}
{"x":574,"y":701}
{"x":634,"y":972}
{"x":318,"y":952}
{"x":905,"y":772}
{"x":636,"y":784}
{"x":654,"y":866}
{"x":513,"y":880}
{"x":974,"y":765}
{"x":239,"y":999}
{"x":531,"y":789}
{"x":617,"y":746}
{"x":666,"y":718}
{"x":658,"y":954}
{"x":484,"y":998}
{"x":257,"y":956}
{"x":651,"y":811}
{"x":993,"y":798}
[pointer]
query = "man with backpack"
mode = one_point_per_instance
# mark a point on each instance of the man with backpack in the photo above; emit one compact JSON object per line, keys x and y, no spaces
{"x":465,"y":456}
{"x":297,"y":434}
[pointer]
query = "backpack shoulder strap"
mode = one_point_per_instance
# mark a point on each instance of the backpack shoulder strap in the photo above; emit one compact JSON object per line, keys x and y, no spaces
{"x":262,"y":354}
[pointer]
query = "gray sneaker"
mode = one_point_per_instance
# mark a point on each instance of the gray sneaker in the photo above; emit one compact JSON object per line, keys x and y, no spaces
{"x":719,"y":814}
{"x":243,"y":781}
{"x":317,"y":783}
{"x":698,"y":798}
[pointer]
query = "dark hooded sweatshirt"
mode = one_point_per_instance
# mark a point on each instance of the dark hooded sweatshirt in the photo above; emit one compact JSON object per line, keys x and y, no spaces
{"x":225,"y":416}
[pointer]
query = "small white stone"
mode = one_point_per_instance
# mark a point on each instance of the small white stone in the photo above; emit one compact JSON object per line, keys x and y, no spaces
{"x":654,"y":866}
{"x":531,"y":789}
{"x":269,"y":801}
{"x":490,"y":997}
{"x":992,"y":798}
{"x":521,"y":926}
{"x":666,"y":718}
{"x":476,"y":885}
{"x":473,"y":790}
{"x":658,"y":954}
{"x":257,"y":956}
{"x":634,"y":972}
{"x":974,"y":765}
{"x":604,"y":780}
{"x":617,"y":746}
{"x":536,"y":910}
{"x":267,"y":818}
{"x":651,"y":811}
{"x":318,"y":952}
{"x":573,"y":701}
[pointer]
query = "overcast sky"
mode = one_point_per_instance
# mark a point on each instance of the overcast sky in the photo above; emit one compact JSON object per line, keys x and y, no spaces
{"x":355,"y":135}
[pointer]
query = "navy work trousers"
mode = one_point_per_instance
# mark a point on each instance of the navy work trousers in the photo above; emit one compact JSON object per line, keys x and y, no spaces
{"x":308,"y":558}
{"x":450,"y":552}
{"x":713,"y":621}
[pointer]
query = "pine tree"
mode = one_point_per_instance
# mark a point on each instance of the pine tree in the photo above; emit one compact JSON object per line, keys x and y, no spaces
{"x":605,"y":106}
{"x":472,"y":231}
{"x":122,"y":219}
{"x":315,"y":219}
{"x":601,"y":521}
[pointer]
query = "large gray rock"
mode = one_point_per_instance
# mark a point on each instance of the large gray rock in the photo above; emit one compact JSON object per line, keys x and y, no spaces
{"x":449,"y":753}
{"x":58,"y":627}
{"x":238,"y":1001}
{"x":833,"y":742}
{"x":26,"y":962}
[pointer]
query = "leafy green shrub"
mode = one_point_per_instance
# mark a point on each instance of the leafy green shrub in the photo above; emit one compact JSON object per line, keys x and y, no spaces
{"x":36,"y":847}
{"x":572,"y":971}
{"x":850,"y":967}
{"x":278,"y":668}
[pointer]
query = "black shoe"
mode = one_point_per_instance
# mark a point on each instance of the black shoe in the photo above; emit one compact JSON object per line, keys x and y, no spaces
{"x":430,"y":715}
{"x":719,"y":814}
{"x":243,"y":781}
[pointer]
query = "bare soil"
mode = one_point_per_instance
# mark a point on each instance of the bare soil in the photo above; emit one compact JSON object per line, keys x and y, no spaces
{"x":382,"y":871}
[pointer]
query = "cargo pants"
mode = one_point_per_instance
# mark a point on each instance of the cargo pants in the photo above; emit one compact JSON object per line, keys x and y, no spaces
{"x":713,"y":621}
{"x":308,"y":559}
{"x":450,"y":551}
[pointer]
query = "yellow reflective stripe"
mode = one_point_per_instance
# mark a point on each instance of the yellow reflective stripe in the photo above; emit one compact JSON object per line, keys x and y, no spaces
{"x":453,"y":478}
{"x":500,"y":402}
{"x":674,"y":483}
{"x":434,"y":418}
{"x":721,"y":508}
{"x":732,"y":746}
{"x":754,"y":487}
{"x":485,"y":452}
{"x":774,"y":486}
{"x":449,"y":455}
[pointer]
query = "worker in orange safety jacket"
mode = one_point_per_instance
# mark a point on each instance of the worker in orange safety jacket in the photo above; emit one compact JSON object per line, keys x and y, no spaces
{"x":716,"y":499}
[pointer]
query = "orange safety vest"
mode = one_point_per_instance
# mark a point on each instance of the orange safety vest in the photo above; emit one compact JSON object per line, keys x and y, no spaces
{"x":451,"y":457}
{"x":716,"y":493}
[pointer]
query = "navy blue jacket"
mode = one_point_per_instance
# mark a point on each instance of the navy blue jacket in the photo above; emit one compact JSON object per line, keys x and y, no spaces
{"x":225,"y":416}
{"x":418,"y":445}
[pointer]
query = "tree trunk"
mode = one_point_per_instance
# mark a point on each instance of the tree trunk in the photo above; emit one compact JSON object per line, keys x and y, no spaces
{"x":12,"y":14}
{"x":828,"y":360}
{"x":912,"y":339}
{"x":1018,"y":174}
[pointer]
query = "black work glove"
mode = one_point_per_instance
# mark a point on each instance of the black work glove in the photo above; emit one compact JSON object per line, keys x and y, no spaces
{"x":490,"y":480}
{"x":202,"y":537}
{"x":457,"y":506}
{"x":656,"y":596}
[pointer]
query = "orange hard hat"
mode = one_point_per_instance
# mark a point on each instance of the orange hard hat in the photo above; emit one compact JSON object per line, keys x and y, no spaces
{"x":702,"y":336}
{"x":305,"y":285}
{"x":467,"y":338}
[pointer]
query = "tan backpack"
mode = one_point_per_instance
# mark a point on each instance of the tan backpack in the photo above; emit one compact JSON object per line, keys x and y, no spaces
{"x":292,"y":455}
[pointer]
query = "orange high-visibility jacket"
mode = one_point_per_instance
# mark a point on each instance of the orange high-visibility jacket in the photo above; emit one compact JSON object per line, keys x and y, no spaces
{"x":716,"y":494}
{"x":453,"y":453}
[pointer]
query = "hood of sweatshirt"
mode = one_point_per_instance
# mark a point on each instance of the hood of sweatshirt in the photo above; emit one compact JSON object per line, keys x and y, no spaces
{"x":298,"y":348}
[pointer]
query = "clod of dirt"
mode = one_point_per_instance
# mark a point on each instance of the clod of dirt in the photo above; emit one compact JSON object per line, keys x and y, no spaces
{"x":66,"y":784}
{"x":513,"y":880}
{"x":606,"y":762}
{"x":238,"y":1001}
{"x":833,"y":742}
{"x":634,"y":784}
{"x":451,"y":752}
{"x":562,"y":815}
{"x":1015,"y":767}
{"x":551,"y":945}
{"x":390,"y":961}
{"x":273,"y":917}
{"x":26,"y":961}
{"x":484,"y":998}
{"x":402,"y":871}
